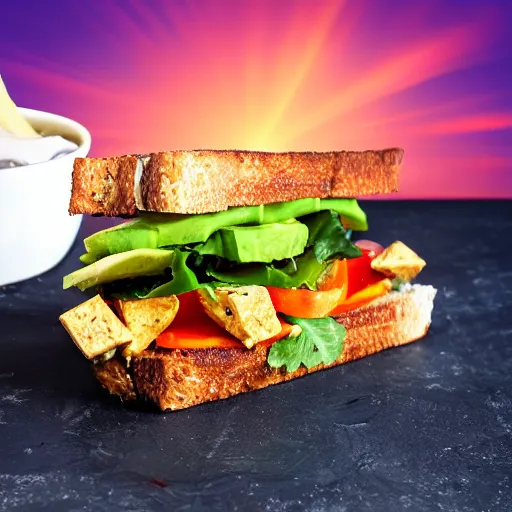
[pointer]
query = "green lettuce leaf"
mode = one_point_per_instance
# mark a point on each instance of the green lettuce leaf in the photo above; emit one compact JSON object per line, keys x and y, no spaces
{"x":328,"y":237}
{"x":135,"y":288}
{"x":181,"y":280}
{"x":321,"y":341}
{"x":303,"y":271}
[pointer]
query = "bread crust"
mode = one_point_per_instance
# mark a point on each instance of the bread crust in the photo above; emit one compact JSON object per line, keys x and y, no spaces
{"x":177,"y":379}
{"x":104,"y":186}
{"x":188,"y":181}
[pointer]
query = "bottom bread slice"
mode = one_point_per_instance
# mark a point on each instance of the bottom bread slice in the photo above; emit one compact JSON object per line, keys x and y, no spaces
{"x":177,"y":379}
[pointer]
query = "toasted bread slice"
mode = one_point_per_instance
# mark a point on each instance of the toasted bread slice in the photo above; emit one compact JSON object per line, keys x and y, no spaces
{"x":104,"y":186}
{"x":177,"y":379}
{"x":212,"y":181}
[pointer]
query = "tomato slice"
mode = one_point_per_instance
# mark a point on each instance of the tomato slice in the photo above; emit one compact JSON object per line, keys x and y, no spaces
{"x":194,"y":329}
{"x":309,"y":304}
{"x":359,"y":270}
{"x":344,"y":279}
{"x":190,"y":311}
{"x":335,"y":277}
{"x":304,"y":303}
{"x":353,"y":274}
{"x":363,"y":297}
{"x":286,"y":330}
{"x":197,"y":336}
{"x":361,"y":274}
{"x":369,"y":246}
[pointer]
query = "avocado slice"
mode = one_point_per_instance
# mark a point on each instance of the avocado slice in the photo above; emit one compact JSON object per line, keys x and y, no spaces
{"x":153,"y":230}
{"x":135,"y":234}
{"x":264,"y":243}
{"x":89,"y":257}
{"x":139,"y":262}
{"x":176,"y":229}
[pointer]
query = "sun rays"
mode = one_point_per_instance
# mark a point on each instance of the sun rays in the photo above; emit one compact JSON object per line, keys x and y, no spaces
{"x":274,"y":76}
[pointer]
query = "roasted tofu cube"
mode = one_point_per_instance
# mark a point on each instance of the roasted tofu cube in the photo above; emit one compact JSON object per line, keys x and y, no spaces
{"x":246,"y":312}
{"x":146,"y":319}
{"x":398,"y":261}
{"x":95,"y":328}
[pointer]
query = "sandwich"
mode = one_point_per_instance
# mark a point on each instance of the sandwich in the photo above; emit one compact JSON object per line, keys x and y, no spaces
{"x":231,"y":271}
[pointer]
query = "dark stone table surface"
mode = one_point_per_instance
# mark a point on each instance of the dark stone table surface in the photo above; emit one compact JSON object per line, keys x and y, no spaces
{"x":425,"y":427}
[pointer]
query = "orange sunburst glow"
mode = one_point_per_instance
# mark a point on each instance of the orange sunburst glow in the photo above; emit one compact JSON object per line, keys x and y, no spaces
{"x":293,"y":75}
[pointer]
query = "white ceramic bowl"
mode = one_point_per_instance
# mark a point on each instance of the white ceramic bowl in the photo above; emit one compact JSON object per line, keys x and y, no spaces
{"x":36,"y":230}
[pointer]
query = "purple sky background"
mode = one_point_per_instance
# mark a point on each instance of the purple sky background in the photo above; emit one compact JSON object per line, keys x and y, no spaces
{"x":105,"y":50}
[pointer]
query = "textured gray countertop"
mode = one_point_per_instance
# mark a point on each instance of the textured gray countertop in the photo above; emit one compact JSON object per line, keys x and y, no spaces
{"x":425,"y":427}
